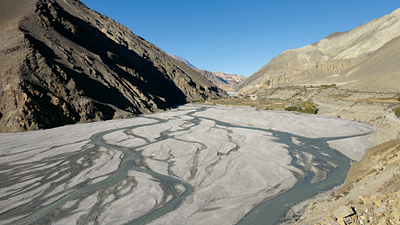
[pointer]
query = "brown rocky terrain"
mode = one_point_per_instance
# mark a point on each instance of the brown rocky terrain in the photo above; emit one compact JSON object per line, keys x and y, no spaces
{"x":62,"y":63}
{"x":363,"y":59}
{"x":370,"y":194}
{"x":225,"y":81}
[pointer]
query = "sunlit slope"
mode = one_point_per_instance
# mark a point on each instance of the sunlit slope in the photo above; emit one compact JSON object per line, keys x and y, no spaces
{"x":341,"y":58}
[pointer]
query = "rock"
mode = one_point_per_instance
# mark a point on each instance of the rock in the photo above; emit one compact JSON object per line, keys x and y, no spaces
{"x":378,"y":202}
{"x":290,"y":214}
{"x":367,"y":199}
{"x":377,"y":191}
{"x":63,"y":63}
{"x":342,"y":211}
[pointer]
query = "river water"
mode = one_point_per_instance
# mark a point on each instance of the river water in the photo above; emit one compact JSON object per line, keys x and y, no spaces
{"x":323,"y":167}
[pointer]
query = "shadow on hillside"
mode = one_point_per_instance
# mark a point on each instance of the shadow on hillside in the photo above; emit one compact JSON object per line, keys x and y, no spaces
{"x":86,"y":38}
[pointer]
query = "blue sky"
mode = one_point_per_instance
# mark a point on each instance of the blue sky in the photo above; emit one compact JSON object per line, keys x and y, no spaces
{"x":238,"y":36}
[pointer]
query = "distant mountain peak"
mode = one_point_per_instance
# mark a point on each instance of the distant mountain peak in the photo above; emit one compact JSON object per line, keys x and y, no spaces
{"x":183,"y":60}
{"x":225,"y":81}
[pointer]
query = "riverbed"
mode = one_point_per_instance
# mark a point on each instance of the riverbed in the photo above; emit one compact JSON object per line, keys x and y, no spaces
{"x":195,"y":164}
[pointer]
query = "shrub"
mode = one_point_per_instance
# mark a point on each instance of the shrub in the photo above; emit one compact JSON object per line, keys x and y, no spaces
{"x":309,"y":104}
{"x":310,"y":111}
{"x":397,"y":112}
{"x":293,"y":108}
{"x":325,"y":86}
{"x":309,"y":107}
{"x":306,"y":107}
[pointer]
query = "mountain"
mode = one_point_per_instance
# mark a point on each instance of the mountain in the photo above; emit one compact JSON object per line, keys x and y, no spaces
{"x":225,"y":81}
{"x":184,"y":61}
{"x":365,"y":58}
{"x":62,"y":63}
{"x":231,"y":78}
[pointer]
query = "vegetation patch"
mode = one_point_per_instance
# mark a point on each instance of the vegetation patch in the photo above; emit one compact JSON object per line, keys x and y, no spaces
{"x":293,"y":108}
{"x":309,"y":107}
{"x":310,"y":111}
{"x":397,"y":112}
{"x":325,"y":86}
{"x":306,"y":107}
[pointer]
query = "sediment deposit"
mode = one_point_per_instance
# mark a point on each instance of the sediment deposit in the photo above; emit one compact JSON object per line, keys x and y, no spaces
{"x":191,"y":165}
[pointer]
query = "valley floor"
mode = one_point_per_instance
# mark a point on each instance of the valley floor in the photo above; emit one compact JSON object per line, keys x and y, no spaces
{"x":371,"y":192}
{"x":215,"y":163}
{"x":375,"y":108}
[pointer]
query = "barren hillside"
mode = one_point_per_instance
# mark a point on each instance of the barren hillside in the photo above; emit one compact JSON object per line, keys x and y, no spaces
{"x":364,"y":58}
{"x":62,"y":63}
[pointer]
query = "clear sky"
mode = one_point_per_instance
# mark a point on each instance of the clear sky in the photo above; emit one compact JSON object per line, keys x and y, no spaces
{"x":238,"y":36}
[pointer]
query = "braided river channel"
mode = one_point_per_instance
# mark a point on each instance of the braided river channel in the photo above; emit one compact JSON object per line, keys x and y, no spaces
{"x":196,"y":164}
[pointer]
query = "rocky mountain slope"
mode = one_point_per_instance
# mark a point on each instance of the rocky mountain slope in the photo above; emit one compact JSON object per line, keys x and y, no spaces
{"x":364,"y":58}
{"x":184,"y":61}
{"x":225,"y":81}
{"x":62,"y":63}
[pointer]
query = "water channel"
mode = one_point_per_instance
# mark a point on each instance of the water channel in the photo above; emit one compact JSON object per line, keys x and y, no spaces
{"x":324,"y":158}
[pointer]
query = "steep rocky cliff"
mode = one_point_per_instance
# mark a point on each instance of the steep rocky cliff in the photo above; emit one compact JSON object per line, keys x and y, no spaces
{"x":63,"y":63}
{"x":364,"y":58}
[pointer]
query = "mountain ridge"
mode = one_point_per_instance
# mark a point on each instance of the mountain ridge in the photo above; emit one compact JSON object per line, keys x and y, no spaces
{"x":179,"y":58}
{"x":331,"y":59}
{"x":63,"y":63}
{"x":225,"y":81}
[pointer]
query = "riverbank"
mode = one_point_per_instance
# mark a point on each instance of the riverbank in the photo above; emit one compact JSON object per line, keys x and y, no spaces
{"x":375,"y":108}
{"x":118,"y":171}
{"x":370,"y":194}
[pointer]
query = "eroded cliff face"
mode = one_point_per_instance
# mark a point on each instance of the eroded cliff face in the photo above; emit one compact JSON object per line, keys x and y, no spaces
{"x":343,"y":58}
{"x":63,"y":63}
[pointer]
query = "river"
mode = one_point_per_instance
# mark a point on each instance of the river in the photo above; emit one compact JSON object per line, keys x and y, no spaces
{"x":189,"y":165}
